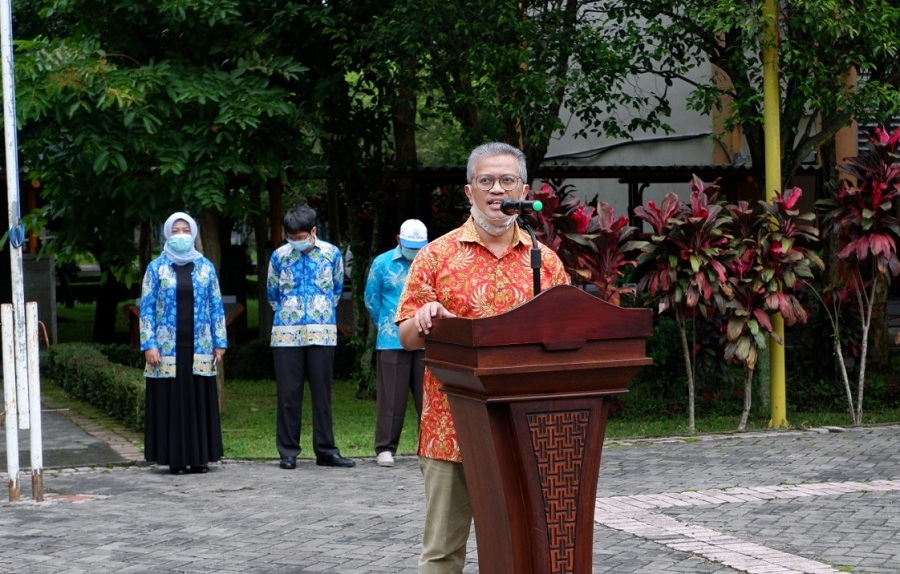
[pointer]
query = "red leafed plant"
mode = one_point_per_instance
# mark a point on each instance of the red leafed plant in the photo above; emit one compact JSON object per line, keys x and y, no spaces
{"x":590,"y":240}
{"x":861,"y":219}
{"x":685,"y":263}
{"x":772,"y":243}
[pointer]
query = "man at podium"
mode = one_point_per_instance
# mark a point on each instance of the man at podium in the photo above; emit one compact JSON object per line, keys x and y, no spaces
{"x":479,"y":269}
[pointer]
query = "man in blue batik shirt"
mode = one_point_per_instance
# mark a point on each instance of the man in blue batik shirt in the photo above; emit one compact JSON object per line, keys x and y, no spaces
{"x":398,"y":371}
{"x":306,"y":276}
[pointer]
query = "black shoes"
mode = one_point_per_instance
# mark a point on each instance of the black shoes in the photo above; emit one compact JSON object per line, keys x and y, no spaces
{"x":199,"y":469}
{"x":334,"y":460}
{"x":290,"y":462}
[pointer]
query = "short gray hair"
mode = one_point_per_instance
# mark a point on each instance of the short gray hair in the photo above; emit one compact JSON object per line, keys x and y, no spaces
{"x":492,"y":149}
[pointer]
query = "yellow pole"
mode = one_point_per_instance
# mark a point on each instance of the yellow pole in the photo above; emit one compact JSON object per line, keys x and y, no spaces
{"x":772,"y":119}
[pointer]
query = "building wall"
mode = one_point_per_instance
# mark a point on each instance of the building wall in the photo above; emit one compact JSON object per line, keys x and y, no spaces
{"x":691,"y":143}
{"x":38,"y":284}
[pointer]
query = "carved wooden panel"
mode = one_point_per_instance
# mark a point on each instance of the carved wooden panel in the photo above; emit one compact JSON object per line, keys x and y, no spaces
{"x":559,"y":441}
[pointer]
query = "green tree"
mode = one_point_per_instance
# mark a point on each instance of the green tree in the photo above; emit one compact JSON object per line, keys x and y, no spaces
{"x":819,"y":43}
{"x":505,"y":73}
{"x":132,"y":110}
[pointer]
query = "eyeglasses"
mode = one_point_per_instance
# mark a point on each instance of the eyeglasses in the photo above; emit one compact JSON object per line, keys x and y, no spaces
{"x":486,"y":182}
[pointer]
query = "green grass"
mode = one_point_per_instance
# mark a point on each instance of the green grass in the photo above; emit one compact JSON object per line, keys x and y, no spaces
{"x":248,"y":423}
{"x":663,"y":427}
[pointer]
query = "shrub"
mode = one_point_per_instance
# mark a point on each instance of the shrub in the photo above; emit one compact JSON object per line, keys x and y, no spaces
{"x":123,"y":354}
{"x":251,"y":361}
{"x":83,"y":371}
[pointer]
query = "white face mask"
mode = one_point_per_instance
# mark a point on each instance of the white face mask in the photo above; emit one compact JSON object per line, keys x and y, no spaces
{"x":408,"y":253}
{"x":493,"y":226}
{"x":301,"y":244}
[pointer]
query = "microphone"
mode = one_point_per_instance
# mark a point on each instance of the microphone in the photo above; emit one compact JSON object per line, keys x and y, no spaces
{"x":513,"y":207}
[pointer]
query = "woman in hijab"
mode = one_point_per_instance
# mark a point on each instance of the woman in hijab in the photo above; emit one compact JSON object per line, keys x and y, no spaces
{"x":183,"y":339}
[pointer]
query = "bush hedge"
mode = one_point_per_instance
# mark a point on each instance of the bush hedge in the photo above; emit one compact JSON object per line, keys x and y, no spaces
{"x":84,"y":372}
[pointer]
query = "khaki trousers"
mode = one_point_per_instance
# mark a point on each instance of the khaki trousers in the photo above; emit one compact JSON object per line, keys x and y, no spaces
{"x":448,"y":517}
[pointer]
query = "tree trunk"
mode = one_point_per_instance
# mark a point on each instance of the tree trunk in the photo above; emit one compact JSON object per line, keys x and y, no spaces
{"x":748,"y":399}
{"x":879,"y":337}
{"x":209,"y":237}
{"x":107,"y":306}
{"x":212,"y":250}
{"x":688,"y":366}
{"x":145,"y":247}
{"x":267,"y":228}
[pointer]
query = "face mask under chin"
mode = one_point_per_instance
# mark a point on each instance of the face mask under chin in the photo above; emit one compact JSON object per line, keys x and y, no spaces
{"x":495,"y":226}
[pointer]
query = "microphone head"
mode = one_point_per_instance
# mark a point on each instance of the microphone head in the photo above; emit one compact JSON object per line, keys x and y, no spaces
{"x":512,"y":206}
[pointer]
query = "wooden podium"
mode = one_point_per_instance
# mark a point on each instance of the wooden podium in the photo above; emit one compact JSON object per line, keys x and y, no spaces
{"x":528,"y":390}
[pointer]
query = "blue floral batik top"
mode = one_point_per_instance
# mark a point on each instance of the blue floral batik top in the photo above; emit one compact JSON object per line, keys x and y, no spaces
{"x":158,"y":314}
{"x":304,"y":290}
{"x":387,"y":275}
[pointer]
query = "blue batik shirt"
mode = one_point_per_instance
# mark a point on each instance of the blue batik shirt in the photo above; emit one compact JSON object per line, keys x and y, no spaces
{"x":158,"y":314}
{"x":304,"y":290}
{"x":387,"y":275}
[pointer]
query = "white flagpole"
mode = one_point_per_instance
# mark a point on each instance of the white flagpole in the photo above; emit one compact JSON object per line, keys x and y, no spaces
{"x":16,"y":230}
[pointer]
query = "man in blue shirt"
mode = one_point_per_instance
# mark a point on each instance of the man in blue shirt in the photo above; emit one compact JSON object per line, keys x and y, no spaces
{"x":398,"y":371}
{"x":306,"y":276}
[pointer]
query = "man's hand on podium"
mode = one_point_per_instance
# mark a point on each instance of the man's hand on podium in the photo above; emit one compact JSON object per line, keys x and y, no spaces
{"x":412,"y":329}
{"x":424,"y":317}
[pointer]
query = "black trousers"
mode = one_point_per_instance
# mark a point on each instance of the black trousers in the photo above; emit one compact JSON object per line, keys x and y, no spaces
{"x":294,"y":365}
{"x":399,"y":373}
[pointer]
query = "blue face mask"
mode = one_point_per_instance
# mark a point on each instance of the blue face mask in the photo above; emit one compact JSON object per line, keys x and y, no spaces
{"x":300,"y":244}
{"x":181,"y":243}
{"x":408,"y":253}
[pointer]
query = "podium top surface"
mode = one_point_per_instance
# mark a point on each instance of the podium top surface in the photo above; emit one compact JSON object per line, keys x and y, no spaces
{"x":559,"y":314}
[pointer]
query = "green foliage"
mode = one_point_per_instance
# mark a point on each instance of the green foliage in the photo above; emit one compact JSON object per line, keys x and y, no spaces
{"x":818,"y":43}
{"x":653,"y":407}
{"x":84,"y":372}
{"x":134,"y":110}
{"x":659,"y":389}
{"x":122,"y":354}
{"x":250,"y":361}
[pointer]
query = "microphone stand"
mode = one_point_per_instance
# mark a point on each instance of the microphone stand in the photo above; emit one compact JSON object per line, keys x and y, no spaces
{"x":535,"y":253}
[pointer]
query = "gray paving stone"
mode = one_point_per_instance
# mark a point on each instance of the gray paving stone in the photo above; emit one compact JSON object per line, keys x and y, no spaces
{"x":751,"y":500}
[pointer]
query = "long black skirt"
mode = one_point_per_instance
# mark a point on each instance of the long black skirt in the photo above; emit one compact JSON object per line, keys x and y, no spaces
{"x":181,"y":422}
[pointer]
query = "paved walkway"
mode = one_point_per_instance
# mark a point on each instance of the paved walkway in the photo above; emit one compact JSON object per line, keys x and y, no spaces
{"x":768,"y":503}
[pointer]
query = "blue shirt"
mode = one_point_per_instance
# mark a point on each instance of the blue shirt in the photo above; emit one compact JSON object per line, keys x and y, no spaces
{"x":158,"y":316}
{"x":304,"y":290}
{"x":387,"y":275}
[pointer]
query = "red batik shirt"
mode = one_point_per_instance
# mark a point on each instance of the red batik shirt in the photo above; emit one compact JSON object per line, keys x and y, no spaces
{"x":462,"y":274}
